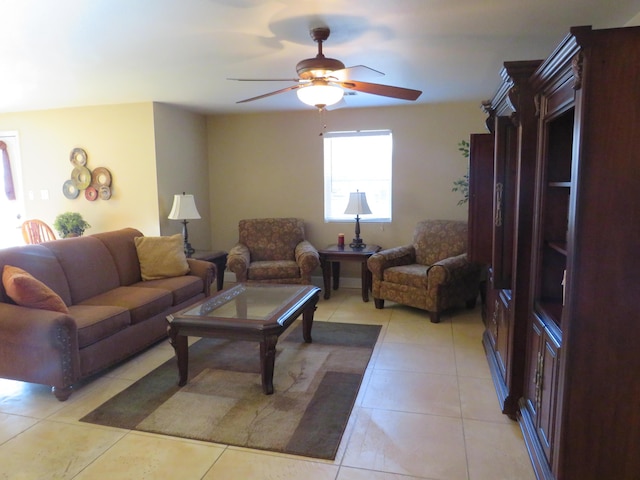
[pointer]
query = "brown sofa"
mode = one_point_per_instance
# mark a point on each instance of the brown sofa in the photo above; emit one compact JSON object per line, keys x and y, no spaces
{"x":113,"y":314}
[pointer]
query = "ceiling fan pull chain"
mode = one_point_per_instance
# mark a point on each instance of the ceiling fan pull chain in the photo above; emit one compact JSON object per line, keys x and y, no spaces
{"x":323,"y":123}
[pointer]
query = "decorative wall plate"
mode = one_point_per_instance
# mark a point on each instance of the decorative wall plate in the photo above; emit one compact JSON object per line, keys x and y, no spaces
{"x":69,"y":190}
{"x":100,"y":177}
{"x":81,"y":177}
{"x":104,"y":192}
{"x":91,"y":194}
{"x":78,"y":157}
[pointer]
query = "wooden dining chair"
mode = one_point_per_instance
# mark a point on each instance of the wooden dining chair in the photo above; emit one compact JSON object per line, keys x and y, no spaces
{"x":36,"y":231}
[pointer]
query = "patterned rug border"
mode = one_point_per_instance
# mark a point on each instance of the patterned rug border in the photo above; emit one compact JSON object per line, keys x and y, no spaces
{"x":307,"y":414}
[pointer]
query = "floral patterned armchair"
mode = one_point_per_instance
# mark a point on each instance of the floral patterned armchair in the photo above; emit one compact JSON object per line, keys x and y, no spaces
{"x":433,"y":273}
{"x":272,"y":250}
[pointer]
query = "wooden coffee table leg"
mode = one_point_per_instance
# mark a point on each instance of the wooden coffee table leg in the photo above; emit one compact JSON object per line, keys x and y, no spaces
{"x":307,"y":319}
{"x":267,"y":362}
{"x":181,"y":347}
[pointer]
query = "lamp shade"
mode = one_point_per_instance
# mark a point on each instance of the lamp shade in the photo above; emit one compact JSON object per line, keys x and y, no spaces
{"x":184,"y":208}
{"x":357,"y":204}
{"x":320,"y":94}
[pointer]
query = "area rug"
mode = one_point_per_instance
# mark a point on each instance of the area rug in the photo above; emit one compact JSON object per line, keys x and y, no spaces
{"x":315,"y":386}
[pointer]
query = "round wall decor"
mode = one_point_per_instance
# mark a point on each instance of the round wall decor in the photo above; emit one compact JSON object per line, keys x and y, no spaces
{"x":82,"y":177}
{"x":78,"y":157}
{"x":100,"y":177}
{"x":104,"y":192}
{"x":69,"y":190}
{"x":91,"y":194}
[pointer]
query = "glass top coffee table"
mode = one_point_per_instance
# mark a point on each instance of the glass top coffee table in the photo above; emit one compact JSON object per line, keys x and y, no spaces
{"x":260,"y":312}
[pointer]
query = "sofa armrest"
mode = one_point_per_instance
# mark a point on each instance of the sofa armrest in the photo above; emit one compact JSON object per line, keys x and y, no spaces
{"x":307,"y":257}
{"x":205,"y":270}
{"x":38,"y":346}
{"x":238,"y":261}
{"x":392,"y":257}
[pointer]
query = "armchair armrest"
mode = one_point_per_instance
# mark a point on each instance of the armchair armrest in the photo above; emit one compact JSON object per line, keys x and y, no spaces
{"x":450,"y":269}
{"x":392,"y":257}
{"x":238,"y":261}
{"x":205,"y":270}
{"x":307,"y":258}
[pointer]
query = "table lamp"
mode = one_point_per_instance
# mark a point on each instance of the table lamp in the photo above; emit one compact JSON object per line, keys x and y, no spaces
{"x":358,"y":205}
{"x":184,"y":208}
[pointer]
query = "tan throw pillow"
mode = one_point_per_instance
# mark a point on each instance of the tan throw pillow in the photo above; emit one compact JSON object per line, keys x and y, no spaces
{"x":28,"y":291}
{"x":161,"y":257}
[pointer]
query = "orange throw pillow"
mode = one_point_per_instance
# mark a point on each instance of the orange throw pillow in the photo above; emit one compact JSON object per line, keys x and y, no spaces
{"x":28,"y":291}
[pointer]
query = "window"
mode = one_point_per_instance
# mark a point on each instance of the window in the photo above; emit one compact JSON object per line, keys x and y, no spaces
{"x":357,"y":161}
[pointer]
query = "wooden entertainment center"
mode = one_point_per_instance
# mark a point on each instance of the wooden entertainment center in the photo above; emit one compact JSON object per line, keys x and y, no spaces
{"x":561,"y":312}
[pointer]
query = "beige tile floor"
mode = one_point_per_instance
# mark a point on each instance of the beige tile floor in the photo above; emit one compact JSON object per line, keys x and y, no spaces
{"x":426,"y":410}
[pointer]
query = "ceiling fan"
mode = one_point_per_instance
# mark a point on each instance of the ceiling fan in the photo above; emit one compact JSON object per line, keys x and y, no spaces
{"x":321,"y":80}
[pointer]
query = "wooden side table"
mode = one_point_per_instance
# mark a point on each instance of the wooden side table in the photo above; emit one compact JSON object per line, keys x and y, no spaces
{"x":330,"y":259}
{"x":220,"y":260}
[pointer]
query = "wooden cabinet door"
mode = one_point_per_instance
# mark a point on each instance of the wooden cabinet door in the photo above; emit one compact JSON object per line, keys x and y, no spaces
{"x":503,"y":319}
{"x":480,"y":197}
{"x":548,"y":393}
{"x":541,"y":388}
{"x":505,"y":162}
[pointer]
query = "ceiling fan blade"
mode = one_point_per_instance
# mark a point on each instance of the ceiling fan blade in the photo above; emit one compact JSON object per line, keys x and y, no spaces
{"x":282,"y":90}
{"x":384,"y":90}
{"x":355,"y":71}
{"x":264,"y":79}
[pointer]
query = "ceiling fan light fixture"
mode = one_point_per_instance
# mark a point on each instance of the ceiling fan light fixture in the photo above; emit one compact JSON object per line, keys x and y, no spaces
{"x":320,"y":96}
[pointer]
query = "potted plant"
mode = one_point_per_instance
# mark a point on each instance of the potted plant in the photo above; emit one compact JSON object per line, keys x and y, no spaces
{"x":70,"y":224}
{"x":462,"y":184}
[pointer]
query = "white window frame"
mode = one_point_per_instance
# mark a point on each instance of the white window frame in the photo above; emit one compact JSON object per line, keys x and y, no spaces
{"x":368,"y":170}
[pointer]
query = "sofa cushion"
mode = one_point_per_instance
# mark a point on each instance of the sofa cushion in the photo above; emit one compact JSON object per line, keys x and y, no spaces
{"x":142,"y":303}
{"x":122,"y":247}
{"x":161,"y":257}
{"x":271,"y":238}
{"x":98,"y":322}
{"x":39,"y":262}
{"x":87,"y":264}
{"x":435,"y":240}
{"x":28,"y":291}
{"x":181,"y":288}
{"x":271,"y":270}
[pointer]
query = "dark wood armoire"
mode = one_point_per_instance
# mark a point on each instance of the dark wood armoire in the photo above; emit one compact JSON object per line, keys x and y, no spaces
{"x":569,"y":367}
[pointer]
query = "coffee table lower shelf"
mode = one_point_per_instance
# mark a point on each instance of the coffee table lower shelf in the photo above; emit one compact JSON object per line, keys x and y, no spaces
{"x":239,"y":314}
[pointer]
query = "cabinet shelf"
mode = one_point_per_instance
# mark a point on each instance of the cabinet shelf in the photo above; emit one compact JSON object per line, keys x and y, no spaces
{"x":550,"y":310}
{"x":560,"y":184}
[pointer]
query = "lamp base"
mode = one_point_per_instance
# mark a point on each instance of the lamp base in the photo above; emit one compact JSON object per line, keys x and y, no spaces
{"x":357,"y":243}
{"x":188,"y":250}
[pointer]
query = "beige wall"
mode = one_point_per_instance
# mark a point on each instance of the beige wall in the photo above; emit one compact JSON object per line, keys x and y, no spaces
{"x":182,"y":166}
{"x":118,"y":137}
{"x":238,"y":166}
{"x":271,"y":164}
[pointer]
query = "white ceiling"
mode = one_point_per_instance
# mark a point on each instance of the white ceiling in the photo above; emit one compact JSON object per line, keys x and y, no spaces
{"x":67,"y":53}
